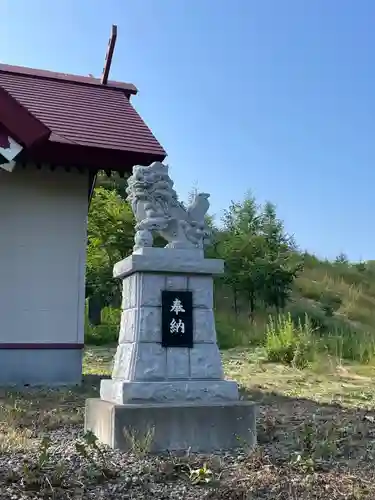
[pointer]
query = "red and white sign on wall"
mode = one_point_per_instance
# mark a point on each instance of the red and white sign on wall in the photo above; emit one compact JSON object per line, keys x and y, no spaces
{"x":9,"y":149}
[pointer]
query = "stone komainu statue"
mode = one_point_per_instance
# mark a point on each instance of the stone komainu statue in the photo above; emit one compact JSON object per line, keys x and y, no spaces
{"x":156,"y":208}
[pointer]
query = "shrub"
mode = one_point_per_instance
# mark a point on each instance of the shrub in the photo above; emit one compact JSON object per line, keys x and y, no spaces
{"x":230,"y":332}
{"x":288,"y":343}
{"x":309,"y":288}
{"x":238,"y":331}
{"x":107,"y":331}
{"x":314,"y":315}
{"x":330,"y":302}
{"x":101,"y":335}
{"x":111,"y":316}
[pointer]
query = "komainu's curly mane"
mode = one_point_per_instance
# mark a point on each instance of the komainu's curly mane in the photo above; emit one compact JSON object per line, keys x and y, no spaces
{"x":156,"y":208}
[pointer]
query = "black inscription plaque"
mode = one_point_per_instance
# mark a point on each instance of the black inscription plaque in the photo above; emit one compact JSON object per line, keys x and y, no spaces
{"x":177,"y":319}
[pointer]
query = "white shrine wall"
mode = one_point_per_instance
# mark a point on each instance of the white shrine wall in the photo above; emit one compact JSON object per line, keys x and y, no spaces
{"x":43,"y":219}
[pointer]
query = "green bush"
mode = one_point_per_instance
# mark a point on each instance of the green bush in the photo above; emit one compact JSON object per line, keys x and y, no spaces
{"x":235,"y":331}
{"x":101,"y":335}
{"x":230,"y":332}
{"x":312,"y":292}
{"x":111,"y":316}
{"x":302,"y":312}
{"x":107,"y":331}
{"x":330,"y":302}
{"x":287,"y":343}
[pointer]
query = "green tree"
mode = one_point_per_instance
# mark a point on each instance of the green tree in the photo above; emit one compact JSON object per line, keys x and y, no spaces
{"x":241,"y":247}
{"x":113,"y":182}
{"x":260,"y":257}
{"x":242,"y":218}
{"x":281,"y":262}
{"x":110,"y":239}
{"x":252,"y":270}
{"x":342,"y":259}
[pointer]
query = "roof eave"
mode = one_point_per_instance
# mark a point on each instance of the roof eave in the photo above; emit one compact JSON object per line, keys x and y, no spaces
{"x":23,"y":127}
{"x":91,"y":158}
{"x":128,"y":88}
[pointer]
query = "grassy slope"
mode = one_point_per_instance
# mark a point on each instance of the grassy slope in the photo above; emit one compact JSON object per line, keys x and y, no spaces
{"x":349,"y":292}
{"x":354,"y":287}
{"x":348,"y":325}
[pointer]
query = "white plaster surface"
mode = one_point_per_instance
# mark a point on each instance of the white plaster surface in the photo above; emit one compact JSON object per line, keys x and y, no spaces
{"x":43,"y":217}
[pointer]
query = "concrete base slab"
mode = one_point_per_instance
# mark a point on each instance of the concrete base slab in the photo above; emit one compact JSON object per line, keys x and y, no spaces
{"x":40,"y":367}
{"x":174,"y":427}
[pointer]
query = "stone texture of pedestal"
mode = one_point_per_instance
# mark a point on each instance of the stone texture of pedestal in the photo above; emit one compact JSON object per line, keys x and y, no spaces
{"x":175,"y":427}
{"x":151,"y":384}
{"x":143,"y":369}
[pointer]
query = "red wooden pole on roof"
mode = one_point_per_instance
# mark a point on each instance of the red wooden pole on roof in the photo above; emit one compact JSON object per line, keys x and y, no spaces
{"x":109,"y":55}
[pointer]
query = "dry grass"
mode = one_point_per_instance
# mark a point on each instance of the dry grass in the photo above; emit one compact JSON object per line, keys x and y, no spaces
{"x":355,"y":289}
{"x":98,"y":360}
{"x":316,"y":433}
{"x":327,"y":381}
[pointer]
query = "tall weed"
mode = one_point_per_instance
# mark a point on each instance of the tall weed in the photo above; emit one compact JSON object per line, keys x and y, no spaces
{"x":237,"y":332}
{"x":350,"y":344}
{"x":289,"y":343}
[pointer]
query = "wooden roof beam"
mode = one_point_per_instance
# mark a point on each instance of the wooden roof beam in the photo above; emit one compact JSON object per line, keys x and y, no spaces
{"x":109,"y":55}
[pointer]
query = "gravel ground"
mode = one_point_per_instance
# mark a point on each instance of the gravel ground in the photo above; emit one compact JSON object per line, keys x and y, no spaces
{"x":316,"y":440}
{"x":271,"y":471}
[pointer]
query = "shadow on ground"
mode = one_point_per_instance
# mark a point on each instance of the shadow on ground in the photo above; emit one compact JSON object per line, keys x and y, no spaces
{"x":323,"y":434}
{"x":306,"y":450}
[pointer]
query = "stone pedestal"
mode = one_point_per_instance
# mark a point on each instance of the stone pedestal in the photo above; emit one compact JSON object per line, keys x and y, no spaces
{"x":176,"y":427}
{"x":148,"y":377}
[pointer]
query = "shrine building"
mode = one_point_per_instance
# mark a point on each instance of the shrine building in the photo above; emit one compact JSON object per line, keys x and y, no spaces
{"x":56,"y":132}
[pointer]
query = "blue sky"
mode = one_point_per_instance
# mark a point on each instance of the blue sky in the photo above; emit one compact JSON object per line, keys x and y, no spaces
{"x":276,"y":97}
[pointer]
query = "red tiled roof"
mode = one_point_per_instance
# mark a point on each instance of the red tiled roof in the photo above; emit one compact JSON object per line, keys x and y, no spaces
{"x":81,"y":111}
{"x":18,"y":122}
{"x":128,"y":87}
